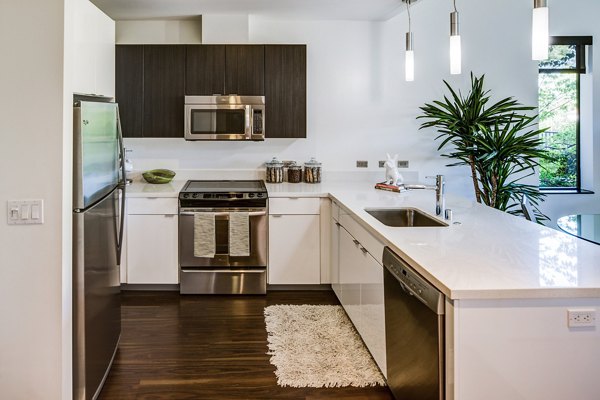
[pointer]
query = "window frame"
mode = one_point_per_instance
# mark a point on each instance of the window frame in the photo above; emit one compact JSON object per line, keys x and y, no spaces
{"x":580,"y":68}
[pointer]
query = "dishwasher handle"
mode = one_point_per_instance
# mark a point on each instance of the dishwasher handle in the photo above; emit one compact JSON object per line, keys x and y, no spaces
{"x":412,"y":283}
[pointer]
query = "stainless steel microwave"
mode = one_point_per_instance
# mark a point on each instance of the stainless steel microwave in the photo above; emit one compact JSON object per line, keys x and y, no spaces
{"x":224,"y":117}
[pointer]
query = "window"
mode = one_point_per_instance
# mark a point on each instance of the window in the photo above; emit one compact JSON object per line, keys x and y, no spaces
{"x":560,"y":81}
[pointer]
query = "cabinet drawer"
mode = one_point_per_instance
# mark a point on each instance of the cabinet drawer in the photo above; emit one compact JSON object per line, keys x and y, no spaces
{"x":152,"y":205}
{"x":368,"y":241}
{"x":295,"y":205}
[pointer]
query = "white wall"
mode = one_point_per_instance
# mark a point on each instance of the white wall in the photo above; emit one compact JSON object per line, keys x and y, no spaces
{"x":33,"y":349}
{"x":188,"y":31}
{"x":225,"y":28}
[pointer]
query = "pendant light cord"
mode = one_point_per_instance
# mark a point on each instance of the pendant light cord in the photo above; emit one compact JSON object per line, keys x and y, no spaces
{"x":408,"y":12}
{"x":454,"y":2}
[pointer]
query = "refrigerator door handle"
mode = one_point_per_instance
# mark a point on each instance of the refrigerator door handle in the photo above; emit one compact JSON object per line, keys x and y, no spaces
{"x":121,"y":150}
{"x":121,"y":224}
{"x":122,"y":185}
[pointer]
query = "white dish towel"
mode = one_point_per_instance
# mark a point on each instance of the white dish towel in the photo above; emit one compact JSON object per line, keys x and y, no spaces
{"x":239,"y":234}
{"x":204,"y":235}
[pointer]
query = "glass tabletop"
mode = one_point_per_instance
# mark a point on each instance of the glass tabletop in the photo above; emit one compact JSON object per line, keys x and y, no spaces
{"x":584,"y":226}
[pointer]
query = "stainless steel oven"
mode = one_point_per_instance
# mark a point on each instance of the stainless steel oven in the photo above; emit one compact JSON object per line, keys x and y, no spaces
{"x":223,"y":273}
{"x":224,"y":118}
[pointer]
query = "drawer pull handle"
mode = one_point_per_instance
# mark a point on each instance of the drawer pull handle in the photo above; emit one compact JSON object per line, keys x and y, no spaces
{"x":365,"y":251}
{"x":356,"y":242}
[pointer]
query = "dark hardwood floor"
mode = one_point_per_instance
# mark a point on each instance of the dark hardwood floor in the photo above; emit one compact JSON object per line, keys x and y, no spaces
{"x":206,"y":347}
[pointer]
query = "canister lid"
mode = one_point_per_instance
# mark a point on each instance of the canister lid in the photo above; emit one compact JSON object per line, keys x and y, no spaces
{"x":312,"y":163}
{"x":274,"y":163}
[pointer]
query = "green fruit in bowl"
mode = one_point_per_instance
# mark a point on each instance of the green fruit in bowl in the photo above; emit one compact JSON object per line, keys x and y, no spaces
{"x":159,"y":176}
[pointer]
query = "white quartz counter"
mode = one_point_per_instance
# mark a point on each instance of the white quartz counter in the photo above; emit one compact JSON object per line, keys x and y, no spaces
{"x":487,"y":255}
{"x":143,"y":189}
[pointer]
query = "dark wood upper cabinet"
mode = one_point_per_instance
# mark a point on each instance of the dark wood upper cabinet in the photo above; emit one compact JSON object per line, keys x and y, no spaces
{"x":152,"y":81}
{"x":245,"y":70}
{"x":164,"y":88}
{"x":205,"y":70}
{"x":129,"y":73}
{"x":285,"y":91}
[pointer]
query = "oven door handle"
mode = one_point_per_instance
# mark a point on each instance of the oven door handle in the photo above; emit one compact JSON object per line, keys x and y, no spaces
{"x":224,"y":213}
{"x":234,"y":271}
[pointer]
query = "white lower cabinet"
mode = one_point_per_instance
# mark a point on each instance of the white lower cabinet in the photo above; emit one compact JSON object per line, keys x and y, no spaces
{"x":294,"y":243}
{"x":152,"y":249}
{"x":372,"y":310}
{"x":350,"y":271}
{"x":334,"y":261}
{"x":361,"y":294}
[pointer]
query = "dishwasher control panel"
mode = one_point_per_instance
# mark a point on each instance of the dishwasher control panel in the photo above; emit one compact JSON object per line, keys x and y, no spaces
{"x":413,"y":283}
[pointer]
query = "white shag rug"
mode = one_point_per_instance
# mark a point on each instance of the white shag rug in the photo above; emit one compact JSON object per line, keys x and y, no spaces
{"x":317,"y":346}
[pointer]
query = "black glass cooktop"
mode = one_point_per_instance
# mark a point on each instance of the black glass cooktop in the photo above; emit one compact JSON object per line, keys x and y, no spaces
{"x":224,"y":187}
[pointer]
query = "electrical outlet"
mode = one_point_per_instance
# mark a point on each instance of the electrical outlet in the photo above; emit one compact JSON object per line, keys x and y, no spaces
{"x":581,"y":318}
{"x":362,"y":164}
{"x":381,"y":164}
{"x":403,"y":164}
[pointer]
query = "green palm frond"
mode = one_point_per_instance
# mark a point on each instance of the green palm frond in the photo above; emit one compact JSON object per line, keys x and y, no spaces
{"x":500,"y":142}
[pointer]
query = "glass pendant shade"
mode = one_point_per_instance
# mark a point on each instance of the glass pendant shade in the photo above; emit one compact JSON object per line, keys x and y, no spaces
{"x":455,"y":55}
{"x":539,"y":31}
{"x":409,"y":59}
{"x":455,"y":45}
{"x":409,"y":65}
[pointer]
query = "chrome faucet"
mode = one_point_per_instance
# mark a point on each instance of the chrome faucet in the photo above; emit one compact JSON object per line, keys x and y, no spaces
{"x":440,"y":194}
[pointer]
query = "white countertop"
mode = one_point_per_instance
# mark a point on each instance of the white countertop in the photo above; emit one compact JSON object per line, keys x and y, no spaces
{"x":489,"y":255}
{"x":143,"y":189}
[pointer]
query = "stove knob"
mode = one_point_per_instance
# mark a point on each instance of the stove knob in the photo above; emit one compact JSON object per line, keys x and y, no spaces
{"x":260,"y":195}
{"x":251,"y":195}
{"x":186,"y":195}
{"x":195,"y":195}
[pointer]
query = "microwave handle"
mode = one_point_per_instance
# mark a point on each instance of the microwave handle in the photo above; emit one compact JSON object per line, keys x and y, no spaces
{"x":249,"y":121}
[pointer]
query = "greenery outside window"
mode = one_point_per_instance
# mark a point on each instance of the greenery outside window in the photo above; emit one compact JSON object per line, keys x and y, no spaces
{"x":559,"y":82}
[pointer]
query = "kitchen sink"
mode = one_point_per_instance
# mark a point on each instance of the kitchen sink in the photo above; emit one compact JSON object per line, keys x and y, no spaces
{"x":404,"y":217}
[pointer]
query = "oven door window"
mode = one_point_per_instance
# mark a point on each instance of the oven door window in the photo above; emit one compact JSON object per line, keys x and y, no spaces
{"x":206,"y":122}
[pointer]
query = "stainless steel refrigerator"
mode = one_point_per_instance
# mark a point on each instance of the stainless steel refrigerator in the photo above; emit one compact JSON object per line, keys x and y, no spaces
{"x":98,"y":202}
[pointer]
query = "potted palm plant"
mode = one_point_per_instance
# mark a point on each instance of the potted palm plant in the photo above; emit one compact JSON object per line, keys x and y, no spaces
{"x":499,"y":142}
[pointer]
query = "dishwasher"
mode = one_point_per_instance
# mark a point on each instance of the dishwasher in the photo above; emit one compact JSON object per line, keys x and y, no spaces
{"x":414,"y":330}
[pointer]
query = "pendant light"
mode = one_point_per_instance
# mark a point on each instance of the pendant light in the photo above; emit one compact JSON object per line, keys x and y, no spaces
{"x":455,"y":45}
{"x":409,"y":56}
{"x":539,"y":30}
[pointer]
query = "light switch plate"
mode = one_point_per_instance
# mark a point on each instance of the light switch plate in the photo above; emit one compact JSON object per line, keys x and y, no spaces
{"x":25,"y":212}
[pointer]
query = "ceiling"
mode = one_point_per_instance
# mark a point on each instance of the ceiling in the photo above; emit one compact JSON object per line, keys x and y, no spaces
{"x":301,"y":9}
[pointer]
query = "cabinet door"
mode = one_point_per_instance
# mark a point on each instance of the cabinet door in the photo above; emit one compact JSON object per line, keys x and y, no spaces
{"x":294,"y":256}
{"x":350,"y":277}
{"x":205,"y":70}
{"x":94,"y":50}
{"x":372,"y":309}
{"x":245,"y":70}
{"x":334,"y":263}
{"x":130,"y":88}
{"x":285,"y":91}
{"x":105,"y":55}
{"x":152,"y":249}
{"x":164,"y":88}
